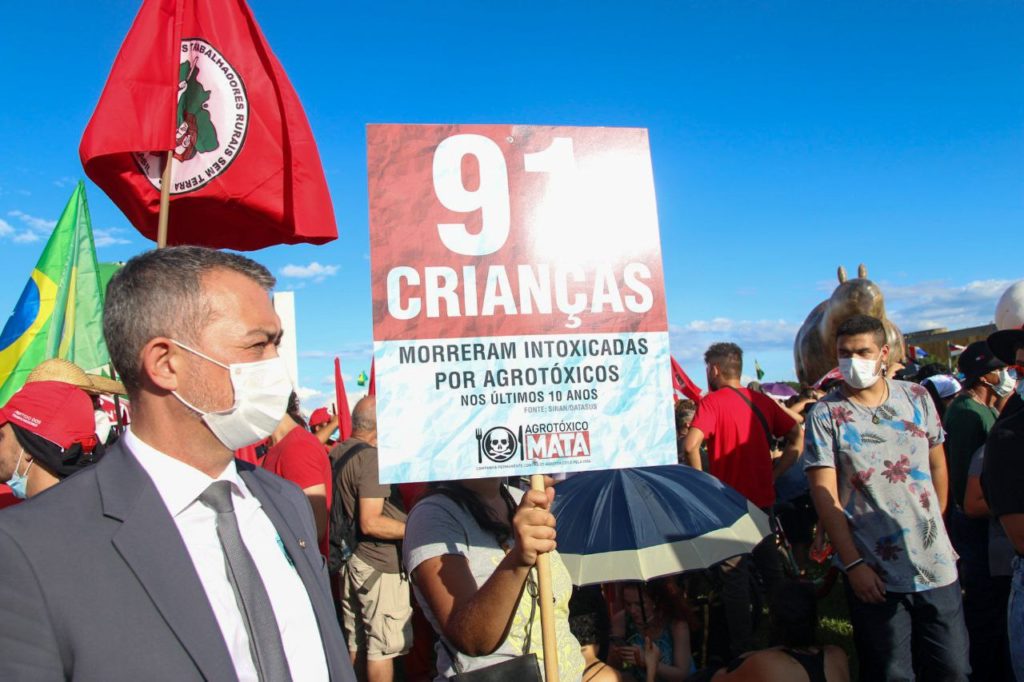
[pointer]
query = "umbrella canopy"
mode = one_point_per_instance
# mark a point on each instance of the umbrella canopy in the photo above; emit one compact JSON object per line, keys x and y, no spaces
{"x":640,"y":524}
{"x":779,"y":390}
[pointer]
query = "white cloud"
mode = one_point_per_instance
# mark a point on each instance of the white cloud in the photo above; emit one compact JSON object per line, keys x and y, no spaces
{"x":764,"y":333}
{"x":314,"y":271}
{"x":929,"y":305}
{"x":328,"y":380}
{"x":17,"y":236}
{"x":64,"y":181}
{"x":312,"y":398}
{"x":40,"y":224}
{"x":307,"y":394}
{"x":25,"y":237}
{"x":913,"y":307}
{"x":351,"y":351}
{"x":108,"y":237}
{"x":757,"y":338}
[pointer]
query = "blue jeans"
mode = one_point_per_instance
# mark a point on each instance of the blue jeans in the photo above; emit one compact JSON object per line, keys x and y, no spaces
{"x":911,"y":632}
{"x":1015,"y":617}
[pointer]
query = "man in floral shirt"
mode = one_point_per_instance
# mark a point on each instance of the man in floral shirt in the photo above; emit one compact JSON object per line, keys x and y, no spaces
{"x":877,"y":471}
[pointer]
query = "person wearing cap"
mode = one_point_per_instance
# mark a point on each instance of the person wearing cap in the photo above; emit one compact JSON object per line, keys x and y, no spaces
{"x":47,"y":433}
{"x":323,"y":424}
{"x":169,"y":560}
{"x":943,"y":389}
{"x":971,"y":415}
{"x":968,"y":421}
{"x":59,"y":369}
{"x":1002,"y":480}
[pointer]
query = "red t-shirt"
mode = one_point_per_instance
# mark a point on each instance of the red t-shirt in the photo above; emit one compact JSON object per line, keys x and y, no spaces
{"x":300,"y":458}
{"x":738,"y":448}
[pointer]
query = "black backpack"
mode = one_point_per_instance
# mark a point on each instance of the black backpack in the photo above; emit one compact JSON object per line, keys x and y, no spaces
{"x":342,"y":535}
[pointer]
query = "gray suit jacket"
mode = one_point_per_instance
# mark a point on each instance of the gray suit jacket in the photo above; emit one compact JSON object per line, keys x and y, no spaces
{"x":96,"y":583}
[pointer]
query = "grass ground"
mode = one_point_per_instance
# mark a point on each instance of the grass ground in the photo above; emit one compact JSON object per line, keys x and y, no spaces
{"x":834,"y":621}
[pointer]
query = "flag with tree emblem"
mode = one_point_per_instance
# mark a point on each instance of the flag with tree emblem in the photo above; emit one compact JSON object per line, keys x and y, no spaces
{"x":197,"y":78}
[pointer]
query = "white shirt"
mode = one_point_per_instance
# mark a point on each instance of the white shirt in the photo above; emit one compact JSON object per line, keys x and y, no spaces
{"x":180,"y":486}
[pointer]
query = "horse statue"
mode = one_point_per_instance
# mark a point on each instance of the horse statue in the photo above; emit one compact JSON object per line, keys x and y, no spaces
{"x":814,"y":351}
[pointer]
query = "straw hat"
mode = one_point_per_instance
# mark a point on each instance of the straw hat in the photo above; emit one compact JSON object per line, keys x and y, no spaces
{"x":68,"y":372}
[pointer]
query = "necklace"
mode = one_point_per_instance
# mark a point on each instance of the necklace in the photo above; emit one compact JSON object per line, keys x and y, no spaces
{"x":875,"y":419}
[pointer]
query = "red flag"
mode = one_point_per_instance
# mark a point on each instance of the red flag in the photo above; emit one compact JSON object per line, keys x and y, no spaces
{"x":344,"y":414}
{"x":831,"y":375}
{"x":373,"y":381}
{"x":197,"y":77}
{"x":682,"y":383}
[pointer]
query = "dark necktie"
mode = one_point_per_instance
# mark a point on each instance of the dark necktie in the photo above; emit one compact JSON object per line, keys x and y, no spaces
{"x":250,"y":593}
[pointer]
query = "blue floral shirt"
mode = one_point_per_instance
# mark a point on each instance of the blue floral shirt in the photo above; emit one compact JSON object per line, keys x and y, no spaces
{"x":885,"y":486}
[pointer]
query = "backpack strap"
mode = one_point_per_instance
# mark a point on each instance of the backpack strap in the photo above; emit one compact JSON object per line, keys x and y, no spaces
{"x":757,"y":413}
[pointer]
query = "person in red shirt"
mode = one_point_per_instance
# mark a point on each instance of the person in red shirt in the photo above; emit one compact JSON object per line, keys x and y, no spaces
{"x":323,"y":424}
{"x":738,"y":425}
{"x":296,"y":455}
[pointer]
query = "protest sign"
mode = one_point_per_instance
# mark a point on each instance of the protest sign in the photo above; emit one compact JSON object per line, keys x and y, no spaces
{"x":518,"y":301}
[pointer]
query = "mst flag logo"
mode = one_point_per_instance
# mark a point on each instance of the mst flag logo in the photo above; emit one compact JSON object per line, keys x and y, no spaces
{"x":213,"y":118}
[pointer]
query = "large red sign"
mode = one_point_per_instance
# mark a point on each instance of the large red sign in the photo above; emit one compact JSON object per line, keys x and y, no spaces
{"x":488,"y":230}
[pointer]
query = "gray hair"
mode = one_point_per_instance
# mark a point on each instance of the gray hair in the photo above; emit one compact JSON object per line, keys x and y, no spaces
{"x":160,"y":293}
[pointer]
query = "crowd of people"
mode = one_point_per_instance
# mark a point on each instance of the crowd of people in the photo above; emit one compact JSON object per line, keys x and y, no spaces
{"x":220,"y":535}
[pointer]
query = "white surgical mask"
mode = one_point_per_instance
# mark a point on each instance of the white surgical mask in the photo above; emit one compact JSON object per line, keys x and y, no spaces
{"x":859,"y":372}
{"x":1006,"y":384}
{"x":103,"y":425}
{"x":1019,"y":379}
{"x":261,"y":391}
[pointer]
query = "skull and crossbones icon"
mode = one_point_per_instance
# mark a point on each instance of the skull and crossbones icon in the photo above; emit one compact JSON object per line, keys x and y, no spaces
{"x":499,"y":444}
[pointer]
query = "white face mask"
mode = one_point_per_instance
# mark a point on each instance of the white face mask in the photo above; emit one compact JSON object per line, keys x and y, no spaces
{"x":1005,"y":386}
{"x":859,"y":372}
{"x":261,"y":392}
{"x":103,"y":425}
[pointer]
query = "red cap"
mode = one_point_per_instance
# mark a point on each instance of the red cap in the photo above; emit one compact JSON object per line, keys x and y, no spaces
{"x":320,"y":416}
{"x":58,"y":412}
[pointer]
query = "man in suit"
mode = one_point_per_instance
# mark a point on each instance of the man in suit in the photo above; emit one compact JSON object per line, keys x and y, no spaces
{"x":169,"y":559}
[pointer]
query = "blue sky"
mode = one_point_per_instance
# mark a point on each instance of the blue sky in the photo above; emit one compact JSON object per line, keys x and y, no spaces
{"x":787,"y":138}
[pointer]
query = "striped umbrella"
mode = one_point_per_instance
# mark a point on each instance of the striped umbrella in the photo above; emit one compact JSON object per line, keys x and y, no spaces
{"x":641,"y":524}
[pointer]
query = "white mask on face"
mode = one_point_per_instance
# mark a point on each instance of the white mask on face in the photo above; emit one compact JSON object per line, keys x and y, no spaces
{"x":860,"y":372}
{"x":1005,"y":386}
{"x":261,"y":393}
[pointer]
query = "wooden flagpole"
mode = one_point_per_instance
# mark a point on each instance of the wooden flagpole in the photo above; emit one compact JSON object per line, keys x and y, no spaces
{"x":545,"y":595}
{"x":165,"y":202}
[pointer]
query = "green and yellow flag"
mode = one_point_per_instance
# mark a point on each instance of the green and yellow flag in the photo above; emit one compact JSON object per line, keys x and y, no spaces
{"x":60,"y":311}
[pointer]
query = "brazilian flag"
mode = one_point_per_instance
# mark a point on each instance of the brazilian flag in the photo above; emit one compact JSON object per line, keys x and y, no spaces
{"x":60,"y":312}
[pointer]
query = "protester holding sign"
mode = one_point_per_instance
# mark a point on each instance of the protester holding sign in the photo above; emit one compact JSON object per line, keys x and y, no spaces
{"x":515,"y":323}
{"x":471,"y":548}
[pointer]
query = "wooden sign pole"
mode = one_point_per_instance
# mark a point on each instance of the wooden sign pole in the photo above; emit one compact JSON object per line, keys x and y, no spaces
{"x":545,"y":595}
{"x":165,"y":202}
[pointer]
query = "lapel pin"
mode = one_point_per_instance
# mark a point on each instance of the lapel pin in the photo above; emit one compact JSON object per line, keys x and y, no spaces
{"x":302,"y":543}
